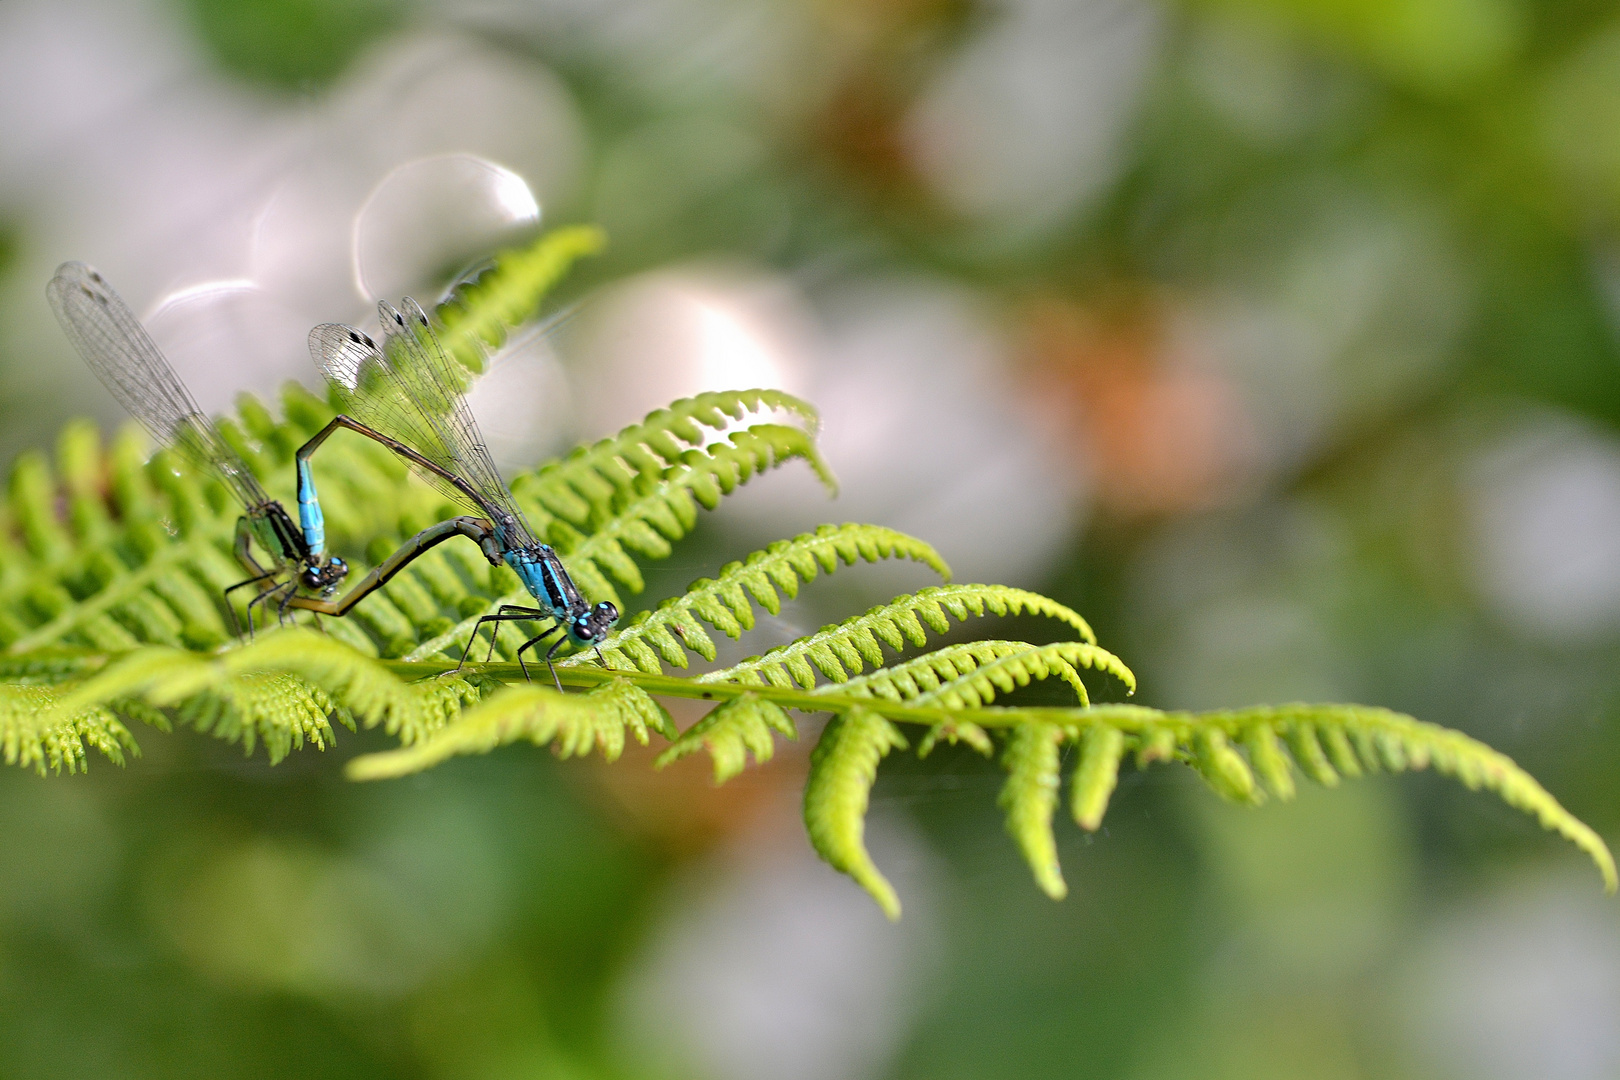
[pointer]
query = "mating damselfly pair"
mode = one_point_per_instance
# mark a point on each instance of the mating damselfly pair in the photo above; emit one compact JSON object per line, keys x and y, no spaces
{"x":406,"y":394}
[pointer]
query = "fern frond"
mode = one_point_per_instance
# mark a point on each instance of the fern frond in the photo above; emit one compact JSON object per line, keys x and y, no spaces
{"x":1007,"y":673}
{"x":1213,"y":744}
{"x":957,"y":731}
{"x":843,"y":767}
{"x":1397,"y":742}
{"x":1029,"y":797}
{"x":595,"y":481}
{"x":1358,"y":739}
{"x":1269,"y":760}
{"x":664,"y":510}
{"x":35,"y":735}
{"x":85,"y":581}
{"x":508,"y":294}
{"x":1223,"y":768}
{"x":279,"y":690}
{"x":912,"y":678}
{"x":724,"y":602}
{"x":1002,"y":667}
{"x":275,"y":708}
{"x":45,"y":667}
{"x":572,"y":724}
{"x":836,"y":651}
{"x":1095,"y":774}
{"x":732,"y":731}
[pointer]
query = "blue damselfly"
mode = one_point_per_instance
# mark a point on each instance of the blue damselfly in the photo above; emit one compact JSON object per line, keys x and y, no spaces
{"x":408,"y":395}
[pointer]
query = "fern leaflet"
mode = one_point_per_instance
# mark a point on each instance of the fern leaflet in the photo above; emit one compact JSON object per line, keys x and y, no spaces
{"x":724,"y":602}
{"x":573,"y":724}
{"x":1095,"y":774}
{"x":478,"y":312}
{"x":836,"y":651}
{"x":1009,"y":672}
{"x":731,"y":732}
{"x":35,"y":736}
{"x":1030,"y":795}
{"x":842,"y":769}
{"x":594,"y":479}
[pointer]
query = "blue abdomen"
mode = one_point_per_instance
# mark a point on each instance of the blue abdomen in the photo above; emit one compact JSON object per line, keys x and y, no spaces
{"x":310,"y":517}
{"x":533,"y":570}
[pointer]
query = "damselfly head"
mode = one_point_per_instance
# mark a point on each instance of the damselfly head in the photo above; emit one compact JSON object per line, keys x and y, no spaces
{"x":591,"y":627}
{"x":324,"y":578}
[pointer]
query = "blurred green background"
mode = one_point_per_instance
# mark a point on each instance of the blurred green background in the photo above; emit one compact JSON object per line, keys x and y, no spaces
{"x":1279,"y":337}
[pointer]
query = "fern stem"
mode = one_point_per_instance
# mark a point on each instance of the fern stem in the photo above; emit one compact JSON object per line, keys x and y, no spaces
{"x":1130,"y":718}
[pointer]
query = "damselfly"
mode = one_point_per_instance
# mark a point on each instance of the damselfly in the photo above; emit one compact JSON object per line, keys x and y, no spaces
{"x":123,"y":355}
{"x":408,"y":395}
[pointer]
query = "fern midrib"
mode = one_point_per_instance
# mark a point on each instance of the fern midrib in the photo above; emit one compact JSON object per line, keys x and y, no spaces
{"x":824,"y":699}
{"x":1128,"y":718}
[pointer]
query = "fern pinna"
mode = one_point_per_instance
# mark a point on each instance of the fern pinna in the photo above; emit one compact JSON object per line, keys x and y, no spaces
{"x":111,"y":567}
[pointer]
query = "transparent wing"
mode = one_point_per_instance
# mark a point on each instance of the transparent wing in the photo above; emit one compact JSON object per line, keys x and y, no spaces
{"x":127,"y":361}
{"x":411,"y":408}
{"x":437,"y":385}
{"x":352,"y":363}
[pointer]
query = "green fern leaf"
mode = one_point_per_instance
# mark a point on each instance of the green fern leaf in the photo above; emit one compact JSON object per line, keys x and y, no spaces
{"x":35,"y":735}
{"x":1404,"y":743}
{"x":1339,"y":740}
{"x":278,"y":690}
{"x":726,"y":602}
{"x":1030,"y":795}
{"x":1223,"y":768}
{"x":596,"y":481}
{"x":1158,"y":742}
{"x":910,"y":680}
{"x":111,"y":568}
{"x":275,"y":708}
{"x":913,"y":678}
{"x":572,"y":724}
{"x":477,"y":314}
{"x":44,"y":667}
{"x":957,"y":731}
{"x":1308,"y":753}
{"x":836,"y":651}
{"x":1270,"y":761}
{"x":730,"y":733}
{"x":1095,"y":775}
{"x":843,"y":767}
{"x":664,"y":510}
{"x":1007,"y":673}
{"x":85,"y":581}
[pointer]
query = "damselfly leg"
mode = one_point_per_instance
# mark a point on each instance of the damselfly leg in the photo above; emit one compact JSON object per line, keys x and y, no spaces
{"x":550,"y":653}
{"x":506,"y":613}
